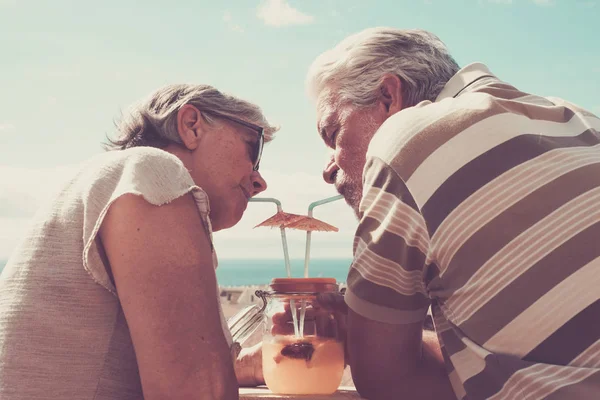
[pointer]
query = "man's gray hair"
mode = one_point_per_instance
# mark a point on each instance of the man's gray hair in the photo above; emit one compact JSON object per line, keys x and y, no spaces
{"x":153,"y":121}
{"x":353,"y":70}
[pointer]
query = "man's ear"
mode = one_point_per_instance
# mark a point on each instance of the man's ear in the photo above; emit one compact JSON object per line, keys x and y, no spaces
{"x":390,"y":93}
{"x":190,"y":126}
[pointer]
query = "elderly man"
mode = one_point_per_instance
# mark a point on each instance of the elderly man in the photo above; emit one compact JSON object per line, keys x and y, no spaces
{"x":475,"y":199}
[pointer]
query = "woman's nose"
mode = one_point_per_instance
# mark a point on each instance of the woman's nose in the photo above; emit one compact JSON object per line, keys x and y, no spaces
{"x":258,"y":183}
{"x":330,"y":171}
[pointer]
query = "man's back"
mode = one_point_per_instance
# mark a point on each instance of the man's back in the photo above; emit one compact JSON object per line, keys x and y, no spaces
{"x":507,"y":189}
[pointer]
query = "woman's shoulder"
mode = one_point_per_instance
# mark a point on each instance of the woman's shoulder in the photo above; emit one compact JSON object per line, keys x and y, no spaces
{"x":149,"y":153}
{"x":142,"y":155}
{"x":146,"y":162}
{"x":155,"y":174}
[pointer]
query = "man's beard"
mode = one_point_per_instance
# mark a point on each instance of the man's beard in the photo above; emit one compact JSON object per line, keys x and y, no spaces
{"x":352,"y":193}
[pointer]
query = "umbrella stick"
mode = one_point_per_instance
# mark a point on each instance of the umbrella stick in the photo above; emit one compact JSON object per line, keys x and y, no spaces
{"x":286,"y":256}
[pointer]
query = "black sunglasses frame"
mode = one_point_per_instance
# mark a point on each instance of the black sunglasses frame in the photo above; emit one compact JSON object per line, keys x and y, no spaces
{"x":258,"y":129}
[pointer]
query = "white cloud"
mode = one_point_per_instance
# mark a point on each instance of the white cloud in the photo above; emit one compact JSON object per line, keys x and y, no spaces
{"x":7,"y":128}
{"x":280,"y":13}
{"x":508,"y":2}
{"x":11,"y":233}
{"x":227,"y":18}
{"x":22,"y":191}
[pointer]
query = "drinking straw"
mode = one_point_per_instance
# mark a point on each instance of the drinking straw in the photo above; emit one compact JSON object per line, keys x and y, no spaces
{"x":286,"y":256}
{"x":302,"y":315}
{"x":311,"y":207}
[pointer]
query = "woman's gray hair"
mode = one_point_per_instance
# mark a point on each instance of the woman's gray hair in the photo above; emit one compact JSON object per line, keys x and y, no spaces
{"x":153,"y":121}
{"x":353,"y":70}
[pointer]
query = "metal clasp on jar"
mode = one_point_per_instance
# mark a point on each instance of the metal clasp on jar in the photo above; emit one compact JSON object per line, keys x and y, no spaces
{"x":243,"y":324}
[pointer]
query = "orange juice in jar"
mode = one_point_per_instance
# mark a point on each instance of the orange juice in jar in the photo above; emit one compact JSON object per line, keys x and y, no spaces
{"x":302,"y":353}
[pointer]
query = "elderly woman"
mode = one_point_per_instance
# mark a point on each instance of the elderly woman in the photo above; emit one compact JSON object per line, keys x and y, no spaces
{"x":112,"y":294}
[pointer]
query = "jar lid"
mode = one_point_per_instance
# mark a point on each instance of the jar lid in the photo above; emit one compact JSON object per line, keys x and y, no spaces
{"x":304,"y":285}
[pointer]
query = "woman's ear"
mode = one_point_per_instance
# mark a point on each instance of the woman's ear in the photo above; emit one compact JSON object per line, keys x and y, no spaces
{"x":190,"y":126}
{"x":390,"y":93}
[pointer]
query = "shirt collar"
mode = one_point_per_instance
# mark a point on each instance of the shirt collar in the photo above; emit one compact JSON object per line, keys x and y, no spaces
{"x":464,"y":78}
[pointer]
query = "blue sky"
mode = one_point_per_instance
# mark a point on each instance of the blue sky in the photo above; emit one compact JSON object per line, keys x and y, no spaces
{"x":69,"y":67}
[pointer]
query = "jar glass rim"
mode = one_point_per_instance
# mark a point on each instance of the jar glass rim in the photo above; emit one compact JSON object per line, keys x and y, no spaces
{"x":303,"y":285}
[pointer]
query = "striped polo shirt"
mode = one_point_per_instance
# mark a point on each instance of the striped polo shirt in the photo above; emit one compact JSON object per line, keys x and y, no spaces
{"x":485,"y":206}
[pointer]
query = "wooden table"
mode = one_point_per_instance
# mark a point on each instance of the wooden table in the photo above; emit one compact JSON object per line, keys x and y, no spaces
{"x":343,"y":393}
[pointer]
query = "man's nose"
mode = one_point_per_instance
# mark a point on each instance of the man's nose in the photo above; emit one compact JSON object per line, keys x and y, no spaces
{"x":258,"y":183}
{"x":330,"y":171}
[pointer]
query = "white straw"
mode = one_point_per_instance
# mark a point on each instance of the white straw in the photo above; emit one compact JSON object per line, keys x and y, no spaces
{"x":295,"y":318}
{"x":302,"y":315}
{"x":307,"y":254}
{"x":311,"y":207}
{"x":288,"y":270}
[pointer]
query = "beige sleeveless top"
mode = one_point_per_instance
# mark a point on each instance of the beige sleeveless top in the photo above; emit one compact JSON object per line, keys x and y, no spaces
{"x":63,"y":334}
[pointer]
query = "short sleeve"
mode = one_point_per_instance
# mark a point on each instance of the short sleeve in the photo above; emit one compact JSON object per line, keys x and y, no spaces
{"x":385,"y":282}
{"x":159,"y":177}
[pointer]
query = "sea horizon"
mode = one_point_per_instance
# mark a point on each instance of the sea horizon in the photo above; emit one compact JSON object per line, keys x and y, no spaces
{"x":253,"y":271}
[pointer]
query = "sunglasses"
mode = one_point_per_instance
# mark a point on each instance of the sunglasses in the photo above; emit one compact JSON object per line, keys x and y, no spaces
{"x":258,"y":147}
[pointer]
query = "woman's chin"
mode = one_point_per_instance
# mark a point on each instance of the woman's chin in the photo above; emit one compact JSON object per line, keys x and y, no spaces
{"x":232,"y":218}
{"x":235,"y":219}
{"x":238,"y":216}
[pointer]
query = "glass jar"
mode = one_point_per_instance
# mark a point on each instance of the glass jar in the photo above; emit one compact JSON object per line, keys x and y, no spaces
{"x":302,"y":350}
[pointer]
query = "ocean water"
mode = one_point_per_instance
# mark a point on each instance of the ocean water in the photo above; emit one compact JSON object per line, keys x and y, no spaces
{"x":257,"y":272}
{"x":260,"y":272}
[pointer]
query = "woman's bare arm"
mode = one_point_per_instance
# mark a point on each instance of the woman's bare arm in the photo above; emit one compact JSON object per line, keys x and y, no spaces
{"x":162,"y":265}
